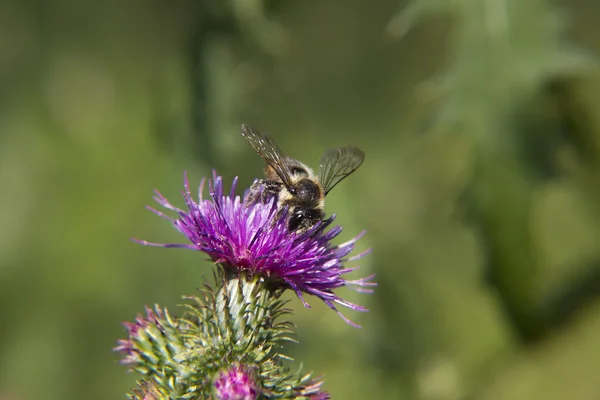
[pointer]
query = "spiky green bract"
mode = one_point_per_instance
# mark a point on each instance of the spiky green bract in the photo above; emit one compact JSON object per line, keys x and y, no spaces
{"x":148,"y":390}
{"x":154,"y":349}
{"x":238,"y":324}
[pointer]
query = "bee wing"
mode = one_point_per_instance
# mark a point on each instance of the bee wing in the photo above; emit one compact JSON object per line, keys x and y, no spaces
{"x":336,"y":164}
{"x":266,"y":147}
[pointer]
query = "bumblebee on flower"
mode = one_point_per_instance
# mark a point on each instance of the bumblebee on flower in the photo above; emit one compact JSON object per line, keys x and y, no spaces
{"x":274,"y":238}
{"x":252,"y":238}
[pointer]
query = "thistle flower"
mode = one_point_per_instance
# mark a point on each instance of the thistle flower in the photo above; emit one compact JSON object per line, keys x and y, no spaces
{"x":254,"y":240}
{"x":153,"y":341}
{"x":225,"y":346}
{"x":235,"y":383}
{"x":312,"y":391}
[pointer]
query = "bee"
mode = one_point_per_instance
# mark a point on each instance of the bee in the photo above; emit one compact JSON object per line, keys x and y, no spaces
{"x":295,"y":186}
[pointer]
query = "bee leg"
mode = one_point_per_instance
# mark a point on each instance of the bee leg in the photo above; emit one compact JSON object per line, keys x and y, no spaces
{"x":255,"y":193}
{"x":270,"y":189}
{"x":263,"y":191}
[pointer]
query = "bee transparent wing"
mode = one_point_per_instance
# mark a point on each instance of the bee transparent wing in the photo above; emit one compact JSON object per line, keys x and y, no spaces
{"x":266,"y":147}
{"x":336,"y":164}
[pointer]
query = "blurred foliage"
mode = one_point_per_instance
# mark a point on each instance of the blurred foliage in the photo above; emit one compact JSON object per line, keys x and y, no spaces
{"x":480,"y":191}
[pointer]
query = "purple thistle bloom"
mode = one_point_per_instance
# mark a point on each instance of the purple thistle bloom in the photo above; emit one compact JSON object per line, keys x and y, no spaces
{"x":235,"y":383}
{"x":253,"y":239}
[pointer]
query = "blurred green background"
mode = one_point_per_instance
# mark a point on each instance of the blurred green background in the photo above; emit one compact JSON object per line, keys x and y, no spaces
{"x":480,"y":191}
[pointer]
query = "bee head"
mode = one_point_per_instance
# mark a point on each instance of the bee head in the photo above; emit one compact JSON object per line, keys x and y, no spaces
{"x":307,"y":192}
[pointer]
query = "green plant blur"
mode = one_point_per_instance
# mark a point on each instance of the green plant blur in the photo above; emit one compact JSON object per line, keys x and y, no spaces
{"x":480,"y":191}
